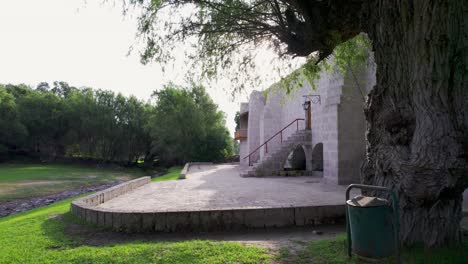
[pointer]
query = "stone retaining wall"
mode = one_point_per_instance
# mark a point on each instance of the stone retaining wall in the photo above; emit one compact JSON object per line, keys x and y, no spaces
{"x":85,"y":207}
{"x":216,"y":220}
{"x":186,"y":169}
{"x":196,"y":220}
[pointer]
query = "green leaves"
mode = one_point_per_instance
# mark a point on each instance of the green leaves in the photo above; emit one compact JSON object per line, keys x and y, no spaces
{"x":67,"y":121}
{"x":226,"y":40}
{"x":353,"y":53}
{"x":12,"y":131}
{"x":214,"y":40}
{"x":185,"y":125}
{"x":182,"y":125}
{"x":348,"y":55}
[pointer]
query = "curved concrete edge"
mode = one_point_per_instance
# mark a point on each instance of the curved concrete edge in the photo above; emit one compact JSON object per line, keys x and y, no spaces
{"x":85,"y":207}
{"x":183,"y":173}
{"x":185,"y":170}
{"x":215,"y":220}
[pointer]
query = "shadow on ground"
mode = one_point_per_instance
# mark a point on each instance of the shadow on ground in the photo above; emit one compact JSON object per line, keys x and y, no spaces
{"x":75,"y":232}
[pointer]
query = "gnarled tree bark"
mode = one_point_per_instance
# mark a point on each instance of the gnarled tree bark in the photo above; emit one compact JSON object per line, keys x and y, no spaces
{"x":417,"y":114}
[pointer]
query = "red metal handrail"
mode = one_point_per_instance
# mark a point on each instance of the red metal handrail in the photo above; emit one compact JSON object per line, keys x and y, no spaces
{"x":278,"y":133}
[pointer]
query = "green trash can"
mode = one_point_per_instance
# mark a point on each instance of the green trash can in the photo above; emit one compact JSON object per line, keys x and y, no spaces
{"x":372,"y":224}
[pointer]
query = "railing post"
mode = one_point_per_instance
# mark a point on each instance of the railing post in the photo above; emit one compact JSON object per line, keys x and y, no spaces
{"x":281,"y":136}
{"x":297,"y":124}
{"x":249,"y":161}
{"x":266,"y":147}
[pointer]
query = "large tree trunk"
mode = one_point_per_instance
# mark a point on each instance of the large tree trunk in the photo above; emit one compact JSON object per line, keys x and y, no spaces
{"x":417,"y":114}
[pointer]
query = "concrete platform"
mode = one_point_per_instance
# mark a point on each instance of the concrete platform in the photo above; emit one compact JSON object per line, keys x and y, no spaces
{"x":213,"y":197}
{"x":219,"y":187}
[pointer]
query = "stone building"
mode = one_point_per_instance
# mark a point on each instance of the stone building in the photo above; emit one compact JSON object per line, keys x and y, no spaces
{"x":275,"y":138}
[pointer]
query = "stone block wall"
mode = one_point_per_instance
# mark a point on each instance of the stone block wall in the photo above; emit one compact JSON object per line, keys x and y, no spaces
{"x":337,"y":122}
{"x":243,"y":152}
{"x":244,"y":107}
{"x":270,"y":123}
{"x":329,"y":130}
{"x":86,"y":207}
{"x":243,"y":143}
{"x":352,"y":124}
{"x":291,"y":108}
{"x":256,"y":104}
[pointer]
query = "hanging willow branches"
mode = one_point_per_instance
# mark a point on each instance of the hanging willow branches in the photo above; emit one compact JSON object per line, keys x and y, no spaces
{"x":218,"y":38}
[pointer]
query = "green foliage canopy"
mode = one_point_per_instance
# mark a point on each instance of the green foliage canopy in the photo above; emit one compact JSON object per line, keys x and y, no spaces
{"x":65,"y":121}
{"x":186,"y":126}
{"x":225,"y":37}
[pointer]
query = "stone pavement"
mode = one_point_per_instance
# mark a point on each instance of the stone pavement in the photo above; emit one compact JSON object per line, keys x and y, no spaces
{"x":219,"y":187}
{"x":215,"y":198}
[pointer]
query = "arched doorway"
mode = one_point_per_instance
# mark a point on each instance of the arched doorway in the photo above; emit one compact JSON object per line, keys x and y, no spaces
{"x":296,"y":160}
{"x":317,"y":159}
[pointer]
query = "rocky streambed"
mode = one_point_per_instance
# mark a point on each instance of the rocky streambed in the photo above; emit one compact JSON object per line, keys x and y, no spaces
{"x":21,"y":205}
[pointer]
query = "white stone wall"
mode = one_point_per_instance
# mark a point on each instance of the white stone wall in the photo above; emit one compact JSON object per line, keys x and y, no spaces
{"x":243,"y":151}
{"x":244,"y":125}
{"x":337,"y":122}
{"x":352,"y":124}
{"x":292,"y":109}
{"x":244,"y":107}
{"x":270,"y":123}
{"x":256,"y":104}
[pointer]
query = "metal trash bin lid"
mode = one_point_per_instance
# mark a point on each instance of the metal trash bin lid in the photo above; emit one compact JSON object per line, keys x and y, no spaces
{"x":367,"y":201}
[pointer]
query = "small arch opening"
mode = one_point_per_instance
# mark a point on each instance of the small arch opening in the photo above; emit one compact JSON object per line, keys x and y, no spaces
{"x":296,"y":160}
{"x":317,"y":158}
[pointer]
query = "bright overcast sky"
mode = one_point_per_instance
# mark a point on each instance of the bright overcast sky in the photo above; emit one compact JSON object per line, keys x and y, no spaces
{"x":84,"y":43}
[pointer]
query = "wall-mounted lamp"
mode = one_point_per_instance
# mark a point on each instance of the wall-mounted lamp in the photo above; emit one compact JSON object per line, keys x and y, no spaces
{"x":306,"y":105}
{"x":312,"y":98}
{"x":308,"y":100}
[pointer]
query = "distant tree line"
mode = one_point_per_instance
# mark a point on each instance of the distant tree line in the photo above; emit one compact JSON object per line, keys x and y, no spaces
{"x":61,"y":121}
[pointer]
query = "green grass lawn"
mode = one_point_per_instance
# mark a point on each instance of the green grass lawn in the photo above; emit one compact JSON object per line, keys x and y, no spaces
{"x":52,"y":235}
{"x":29,"y":180}
{"x":42,"y":236}
{"x":172,"y":174}
{"x":335,"y":251}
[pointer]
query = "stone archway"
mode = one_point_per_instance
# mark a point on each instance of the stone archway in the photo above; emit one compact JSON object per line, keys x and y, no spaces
{"x":317,"y":159}
{"x":298,"y":159}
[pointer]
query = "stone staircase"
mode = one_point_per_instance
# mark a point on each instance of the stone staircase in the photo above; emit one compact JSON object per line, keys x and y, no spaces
{"x":272,"y":163}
